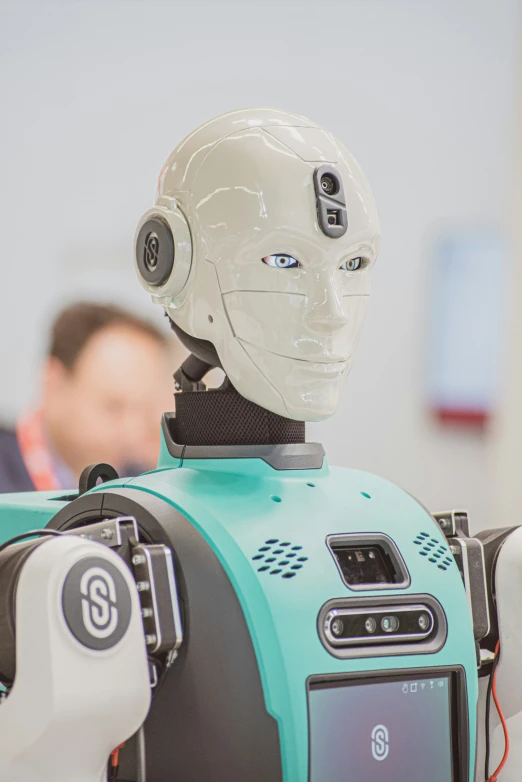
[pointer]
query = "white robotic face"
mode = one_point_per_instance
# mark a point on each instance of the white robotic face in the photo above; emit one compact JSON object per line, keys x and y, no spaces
{"x":284,"y":235}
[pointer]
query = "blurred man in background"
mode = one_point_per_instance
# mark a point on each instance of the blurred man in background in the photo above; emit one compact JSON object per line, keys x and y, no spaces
{"x":106,"y":381}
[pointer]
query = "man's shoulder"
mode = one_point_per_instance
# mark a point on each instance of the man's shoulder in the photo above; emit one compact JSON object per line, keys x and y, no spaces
{"x":7,"y":435}
{"x":13,"y":472}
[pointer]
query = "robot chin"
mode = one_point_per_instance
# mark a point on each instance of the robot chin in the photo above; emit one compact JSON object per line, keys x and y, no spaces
{"x":311,"y":390}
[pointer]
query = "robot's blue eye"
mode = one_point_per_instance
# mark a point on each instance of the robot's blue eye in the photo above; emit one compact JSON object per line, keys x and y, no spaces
{"x":352,"y":265}
{"x":281,"y":261}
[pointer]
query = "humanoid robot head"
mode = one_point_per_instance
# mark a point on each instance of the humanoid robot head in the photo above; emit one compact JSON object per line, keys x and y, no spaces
{"x":261,"y":242}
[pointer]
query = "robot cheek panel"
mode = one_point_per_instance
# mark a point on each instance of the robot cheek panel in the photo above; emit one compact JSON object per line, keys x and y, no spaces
{"x":328,"y":333}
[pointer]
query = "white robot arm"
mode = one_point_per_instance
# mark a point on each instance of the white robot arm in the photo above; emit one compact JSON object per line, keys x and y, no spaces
{"x":505,"y":575}
{"x":490,"y":565}
{"x":74,"y":652}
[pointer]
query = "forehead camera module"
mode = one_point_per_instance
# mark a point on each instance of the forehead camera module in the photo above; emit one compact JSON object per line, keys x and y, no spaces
{"x":331,"y":206}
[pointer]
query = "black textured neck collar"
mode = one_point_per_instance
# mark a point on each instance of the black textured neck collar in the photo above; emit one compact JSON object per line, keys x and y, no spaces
{"x":221,"y":424}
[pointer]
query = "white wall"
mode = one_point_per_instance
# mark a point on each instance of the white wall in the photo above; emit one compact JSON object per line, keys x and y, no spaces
{"x":507,"y":431}
{"x":93,"y":96}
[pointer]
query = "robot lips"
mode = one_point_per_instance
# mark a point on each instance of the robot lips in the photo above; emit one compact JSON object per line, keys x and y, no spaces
{"x":311,"y":387}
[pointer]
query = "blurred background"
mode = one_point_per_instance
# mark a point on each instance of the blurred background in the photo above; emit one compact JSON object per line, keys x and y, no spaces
{"x":94,"y":95}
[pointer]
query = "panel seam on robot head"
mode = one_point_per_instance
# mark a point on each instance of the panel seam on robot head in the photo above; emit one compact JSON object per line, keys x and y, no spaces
{"x":278,"y":393}
{"x":312,"y":163}
{"x":218,"y":141}
{"x":286,"y":146}
{"x":289,"y":293}
{"x":291,"y":358}
{"x":251,"y":361}
{"x":238,"y":341}
{"x":223,"y":302}
{"x":256,"y":290}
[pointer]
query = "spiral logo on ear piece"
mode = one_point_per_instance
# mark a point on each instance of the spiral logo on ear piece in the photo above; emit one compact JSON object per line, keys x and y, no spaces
{"x":155,"y":251}
{"x":151,"y":250}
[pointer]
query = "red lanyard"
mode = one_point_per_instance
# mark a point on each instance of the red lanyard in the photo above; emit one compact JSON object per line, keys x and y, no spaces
{"x":35,"y":452}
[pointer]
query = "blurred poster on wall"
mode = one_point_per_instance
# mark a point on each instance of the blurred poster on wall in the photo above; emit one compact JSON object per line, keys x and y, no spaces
{"x":468,"y":295}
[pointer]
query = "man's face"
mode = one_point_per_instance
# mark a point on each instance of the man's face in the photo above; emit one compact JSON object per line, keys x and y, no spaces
{"x":108,"y":407}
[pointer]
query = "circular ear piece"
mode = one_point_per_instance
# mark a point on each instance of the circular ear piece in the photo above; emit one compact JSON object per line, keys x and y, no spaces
{"x":163,"y":250}
{"x":155,"y":251}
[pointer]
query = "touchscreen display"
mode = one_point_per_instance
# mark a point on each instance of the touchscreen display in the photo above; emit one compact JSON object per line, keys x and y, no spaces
{"x":383,"y":730}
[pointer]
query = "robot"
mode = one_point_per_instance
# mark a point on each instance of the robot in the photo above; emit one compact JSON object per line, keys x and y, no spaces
{"x":299,"y":622}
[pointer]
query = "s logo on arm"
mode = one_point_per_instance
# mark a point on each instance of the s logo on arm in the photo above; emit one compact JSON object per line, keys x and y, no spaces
{"x":99,"y":604}
{"x":96,"y":603}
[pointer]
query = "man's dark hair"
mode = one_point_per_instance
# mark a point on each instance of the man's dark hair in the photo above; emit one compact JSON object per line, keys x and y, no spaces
{"x":77,"y":324}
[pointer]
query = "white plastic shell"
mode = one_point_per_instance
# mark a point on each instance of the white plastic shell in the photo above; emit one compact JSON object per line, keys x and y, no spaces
{"x":70,"y":706}
{"x":244,"y":182}
{"x":508,"y":589}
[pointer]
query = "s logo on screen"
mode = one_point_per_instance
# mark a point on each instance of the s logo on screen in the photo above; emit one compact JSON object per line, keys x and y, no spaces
{"x":380,"y":742}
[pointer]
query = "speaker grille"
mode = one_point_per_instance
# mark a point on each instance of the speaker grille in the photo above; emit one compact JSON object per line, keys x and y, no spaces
{"x":279,"y":558}
{"x":435,"y":552}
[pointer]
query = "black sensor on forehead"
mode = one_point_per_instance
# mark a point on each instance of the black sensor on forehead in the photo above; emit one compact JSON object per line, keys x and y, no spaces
{"x":331,"y":206}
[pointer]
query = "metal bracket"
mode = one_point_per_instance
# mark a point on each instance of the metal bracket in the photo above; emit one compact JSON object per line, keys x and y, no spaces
{"x":153,"y":569}
{"x":468,"y":553}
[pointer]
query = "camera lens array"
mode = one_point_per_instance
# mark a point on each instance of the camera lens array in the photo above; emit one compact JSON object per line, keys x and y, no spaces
{"x":354,"y":626}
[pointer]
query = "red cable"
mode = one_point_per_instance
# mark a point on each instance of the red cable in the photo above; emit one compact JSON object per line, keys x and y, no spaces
{"x":494,"y":776}
{"x":115,"y":756}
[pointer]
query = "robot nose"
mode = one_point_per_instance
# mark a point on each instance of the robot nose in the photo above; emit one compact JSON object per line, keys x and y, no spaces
{"x":326,"y":314}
